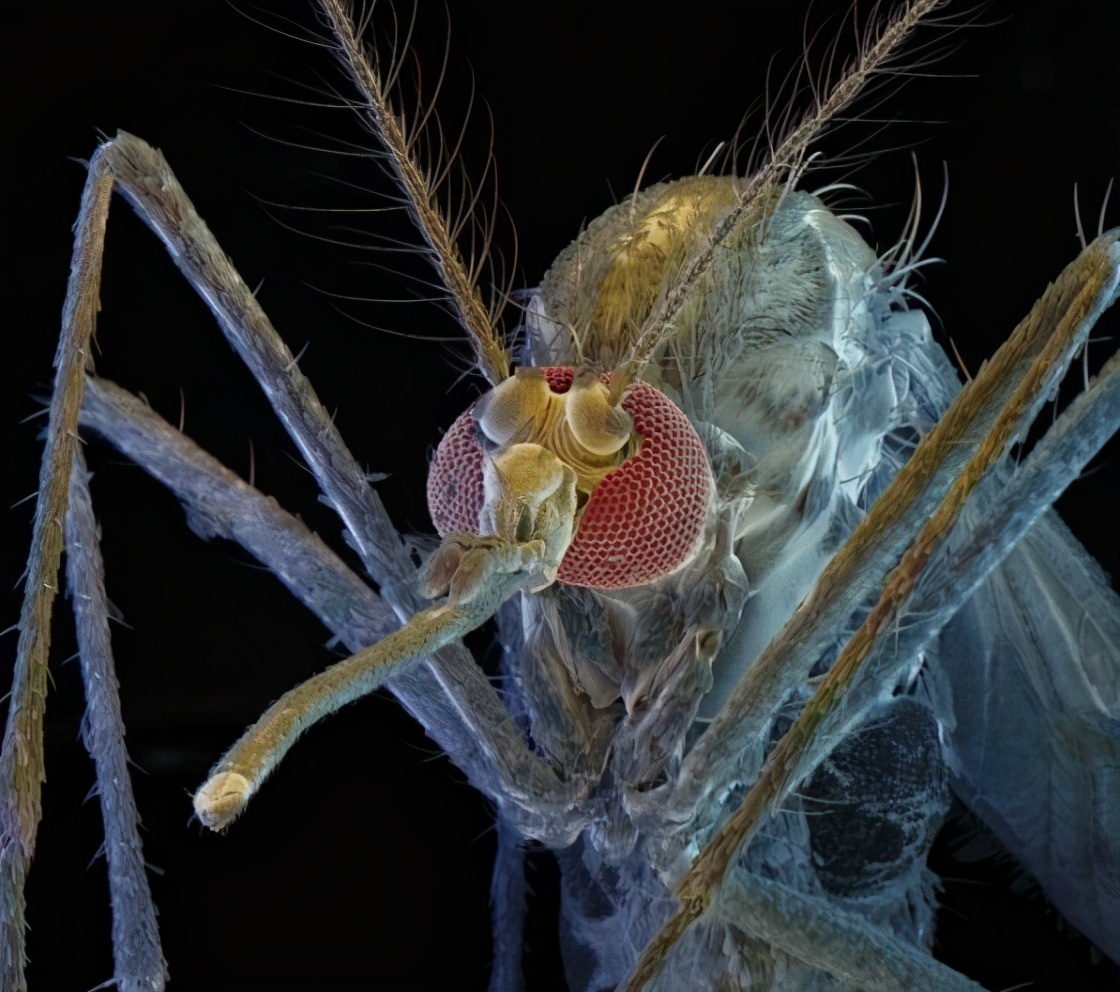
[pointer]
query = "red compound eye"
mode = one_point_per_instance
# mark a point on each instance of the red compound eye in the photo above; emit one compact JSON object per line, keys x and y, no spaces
{"x":644,"y":518}
{"x":455,"y":495}
{"x":641,"y":522}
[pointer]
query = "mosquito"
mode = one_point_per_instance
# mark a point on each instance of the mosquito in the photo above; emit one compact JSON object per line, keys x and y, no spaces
{"x":208,"y":672}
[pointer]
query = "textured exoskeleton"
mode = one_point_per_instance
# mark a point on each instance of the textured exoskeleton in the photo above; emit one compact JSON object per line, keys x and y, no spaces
{"x":808,"y":383}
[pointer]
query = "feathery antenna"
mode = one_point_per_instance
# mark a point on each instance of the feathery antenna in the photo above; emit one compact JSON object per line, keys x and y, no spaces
{"x":785,"y":167}
{"x":420,"y":187}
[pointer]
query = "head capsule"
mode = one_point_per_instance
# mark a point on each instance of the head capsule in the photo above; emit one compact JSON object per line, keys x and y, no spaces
{"x":644,"y":485}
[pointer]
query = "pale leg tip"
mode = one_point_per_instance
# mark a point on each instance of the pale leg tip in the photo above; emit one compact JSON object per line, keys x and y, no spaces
{"x":221,"y":799}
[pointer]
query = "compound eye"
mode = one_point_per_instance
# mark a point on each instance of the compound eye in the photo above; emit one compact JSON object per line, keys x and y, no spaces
{"x":506,"y":413}
{"x":455,"y":487}
{"x":642,"y":521}
{"x":646,"y":518}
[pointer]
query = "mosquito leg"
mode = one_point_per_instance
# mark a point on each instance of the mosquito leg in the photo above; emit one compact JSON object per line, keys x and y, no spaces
{"x":238,"y":775}
{"x":479,"y":574}
{"x":1033,"y":356}
{"x":137,"y":956}
{"x":948,"y":582}
{"x":507,"y":911}
{"x":21,"y":761}
{"x":878,"y":657}
{"x":450,"y":695}
{"x":145,"y":179}
{"x":220,"y":504}
{"x":835,"y":940}
{"x":1065,"y":316}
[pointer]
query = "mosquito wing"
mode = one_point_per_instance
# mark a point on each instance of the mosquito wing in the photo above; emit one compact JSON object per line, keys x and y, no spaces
{"x":1028,"y":687}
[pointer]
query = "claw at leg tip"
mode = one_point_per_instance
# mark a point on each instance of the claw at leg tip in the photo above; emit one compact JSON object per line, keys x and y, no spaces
{"x":221,"y":799}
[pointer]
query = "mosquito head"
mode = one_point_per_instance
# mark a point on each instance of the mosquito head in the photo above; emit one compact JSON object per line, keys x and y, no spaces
{"x":643,"y":482}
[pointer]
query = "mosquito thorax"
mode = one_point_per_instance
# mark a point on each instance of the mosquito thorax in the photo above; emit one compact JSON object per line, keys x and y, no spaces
{"x":641,"y":474}
{"x":772,"y":316}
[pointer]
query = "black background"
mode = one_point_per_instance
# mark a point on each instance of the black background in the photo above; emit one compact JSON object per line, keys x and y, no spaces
{"x":364,"y":862}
